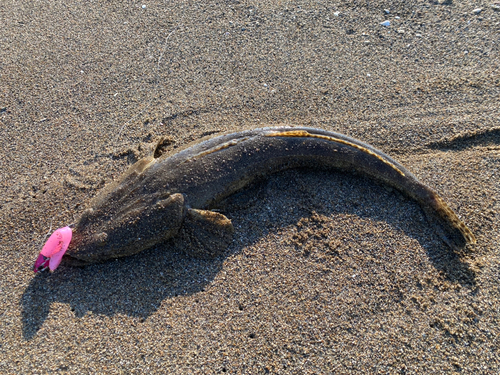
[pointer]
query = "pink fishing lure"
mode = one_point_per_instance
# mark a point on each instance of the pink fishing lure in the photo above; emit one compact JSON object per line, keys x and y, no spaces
{"x":53,"y":250}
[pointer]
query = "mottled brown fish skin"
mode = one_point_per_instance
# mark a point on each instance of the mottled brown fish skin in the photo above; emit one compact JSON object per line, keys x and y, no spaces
{"x":157,"y":197}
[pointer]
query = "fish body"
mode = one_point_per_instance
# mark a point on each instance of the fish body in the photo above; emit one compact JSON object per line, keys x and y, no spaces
{"x":172,"y":196}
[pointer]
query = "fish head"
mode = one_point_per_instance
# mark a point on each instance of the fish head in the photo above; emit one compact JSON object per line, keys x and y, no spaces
{"x":112,"y":232}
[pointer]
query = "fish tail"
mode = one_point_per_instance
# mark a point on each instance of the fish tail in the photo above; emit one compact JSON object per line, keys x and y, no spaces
{"x":456,"y":228}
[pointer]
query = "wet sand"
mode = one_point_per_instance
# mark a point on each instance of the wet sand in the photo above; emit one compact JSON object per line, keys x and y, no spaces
{"x":328,"y":272}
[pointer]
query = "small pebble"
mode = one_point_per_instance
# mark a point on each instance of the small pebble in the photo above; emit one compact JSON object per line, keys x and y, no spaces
{"x":401,"y":31}
{"x":386,"y":23}
{"x":336,"y":14}
{"x":144,"y":7}
{"x":477,"y":10}
{"x":495,"y":6}
{"x":387,"y":11}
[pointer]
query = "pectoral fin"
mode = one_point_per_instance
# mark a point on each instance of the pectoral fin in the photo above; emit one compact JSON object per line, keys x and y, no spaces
{"x":204,"y":234}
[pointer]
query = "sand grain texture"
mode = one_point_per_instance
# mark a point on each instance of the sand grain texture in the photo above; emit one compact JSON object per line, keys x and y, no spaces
{"x":328,"y":272}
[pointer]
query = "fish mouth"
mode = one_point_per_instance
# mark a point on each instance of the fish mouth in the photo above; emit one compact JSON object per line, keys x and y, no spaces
{"x":70,"y":260}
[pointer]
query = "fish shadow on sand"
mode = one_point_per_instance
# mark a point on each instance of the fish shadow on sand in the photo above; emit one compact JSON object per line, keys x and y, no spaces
{"x":136,"y":286}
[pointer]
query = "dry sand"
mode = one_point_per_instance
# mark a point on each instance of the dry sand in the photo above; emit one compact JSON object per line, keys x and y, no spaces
{"x":329,"y":272}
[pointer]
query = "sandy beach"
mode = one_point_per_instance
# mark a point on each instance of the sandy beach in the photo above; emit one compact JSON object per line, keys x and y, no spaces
{"x":328,"y":272}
